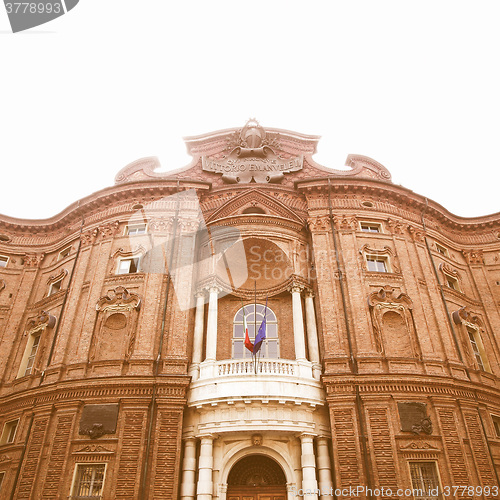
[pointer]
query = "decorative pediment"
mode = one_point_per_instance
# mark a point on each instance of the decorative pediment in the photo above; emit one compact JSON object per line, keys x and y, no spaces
{"x":386,"y":251}
{"x":119,"y":299}
{"x":449,"y":271}
{"x":94,"y":448}
{"x":121,"y":252}
{"x":57,"y":277}
{"x":252,"y":154}
{"x":418,"y":446}
{"x":261,"y":202}
{"x":42,"y":321}
{"x":465,"y":316}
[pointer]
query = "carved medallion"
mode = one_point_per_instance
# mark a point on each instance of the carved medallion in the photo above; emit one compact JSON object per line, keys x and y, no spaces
{"x":252,"y":157}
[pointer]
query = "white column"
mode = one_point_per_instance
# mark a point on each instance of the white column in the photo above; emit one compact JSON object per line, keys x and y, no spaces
{"x":198,"y":335}
{"x":308,"y":462}
{"x":324,"y":468}
{"x":312,"y":330}
{"x":212,"y":324}
{"x":205,"y":469}
{"x":298,"y":323}
{"x":188,"y":485}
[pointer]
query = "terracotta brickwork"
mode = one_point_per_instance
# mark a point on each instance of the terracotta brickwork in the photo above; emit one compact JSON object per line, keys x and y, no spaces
{"x":406,"y":304}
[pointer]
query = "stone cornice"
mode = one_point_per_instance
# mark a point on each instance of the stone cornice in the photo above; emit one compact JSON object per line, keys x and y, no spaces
{"x":70,"y":218}
{"x":374,"y":190}
{"x":427,"y":386}
{"x":173,"y":388}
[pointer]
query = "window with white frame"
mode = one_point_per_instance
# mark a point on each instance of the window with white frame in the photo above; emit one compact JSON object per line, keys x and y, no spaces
{"x":377,"y":264}
{"x":270,"y":346}
{"x":55,"y":287}
{"x":9,"y":432}
{"x":425,"y":480}
{"x":128,"y":265}
{"x":28,"y":361}
{"x":3,"y":261}
{"x":477,"y":348}
{"x":135,"y":229}
{"x":64,"y":253}
{"x":452,"y":282}
{"x":442,"y":250}
{"x":370,"y":227}
{"x":496,"y":425}
{"x":88,"y":481}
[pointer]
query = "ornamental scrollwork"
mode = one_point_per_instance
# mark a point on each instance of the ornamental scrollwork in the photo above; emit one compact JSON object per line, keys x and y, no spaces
{"x":40,"y":322}
{"x":119,"y":299}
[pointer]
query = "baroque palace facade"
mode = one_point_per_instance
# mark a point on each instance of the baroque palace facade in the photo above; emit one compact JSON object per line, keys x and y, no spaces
{"x":123,"y":369}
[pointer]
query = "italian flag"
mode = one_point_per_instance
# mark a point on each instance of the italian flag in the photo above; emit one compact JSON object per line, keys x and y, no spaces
{"x":248,"y":344}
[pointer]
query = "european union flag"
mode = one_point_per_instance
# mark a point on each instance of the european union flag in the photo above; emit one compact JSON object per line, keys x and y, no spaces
{"x":261,"y":335}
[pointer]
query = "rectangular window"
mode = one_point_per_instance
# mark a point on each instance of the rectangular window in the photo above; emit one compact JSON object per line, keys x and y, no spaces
{"x":377,"y":264}
{"x":477,"y":348}
{"x":496,"y":425}
{"x":441,"y":250}
{"x":2,"y":475}
{"x":425,"y":481}
{"x":370,"y":227}
{"x":55,"y":287}
{"x":88,"y":482}
{"x":32,"y":355}
{"x":127,"y":266}
{"x":9,"y":432}
{"x":136,"y":229}
{"x":64,"y":253}
{"x":452,"y":283}
{"x":3,"y":261}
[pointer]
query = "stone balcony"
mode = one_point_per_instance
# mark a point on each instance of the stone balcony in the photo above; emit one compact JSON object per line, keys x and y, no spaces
{"x":282,"y":380}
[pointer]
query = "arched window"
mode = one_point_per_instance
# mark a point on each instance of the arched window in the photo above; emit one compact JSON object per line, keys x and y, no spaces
{"x":270,"y":346}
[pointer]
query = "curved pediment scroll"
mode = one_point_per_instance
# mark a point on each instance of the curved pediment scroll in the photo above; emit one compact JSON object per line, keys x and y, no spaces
{"x":40,"y":322}
{"x":57,"y":277}
{"x":119,"y":299}
{"x":465,"y":316}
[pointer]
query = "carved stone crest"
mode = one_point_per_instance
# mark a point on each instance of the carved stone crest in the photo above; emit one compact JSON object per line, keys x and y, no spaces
{"x":119,"y":299}
{"x":253,"y":157}
{"x":43,"y":320}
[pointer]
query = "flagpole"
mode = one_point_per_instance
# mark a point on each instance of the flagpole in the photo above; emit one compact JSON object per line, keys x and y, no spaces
{"x":255,"y":325}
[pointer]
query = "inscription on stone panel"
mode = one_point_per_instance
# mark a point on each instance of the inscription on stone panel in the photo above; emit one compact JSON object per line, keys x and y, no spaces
{"x":413,"y":418}
{"x":252,"y":156}
{"x":98,"y":420}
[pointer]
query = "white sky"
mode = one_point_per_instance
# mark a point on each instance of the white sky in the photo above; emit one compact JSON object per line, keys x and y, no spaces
{"x":414,"y":85}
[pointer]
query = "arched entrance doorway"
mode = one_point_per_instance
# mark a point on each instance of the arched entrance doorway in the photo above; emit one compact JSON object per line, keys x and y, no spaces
{"x":256,"y":477}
